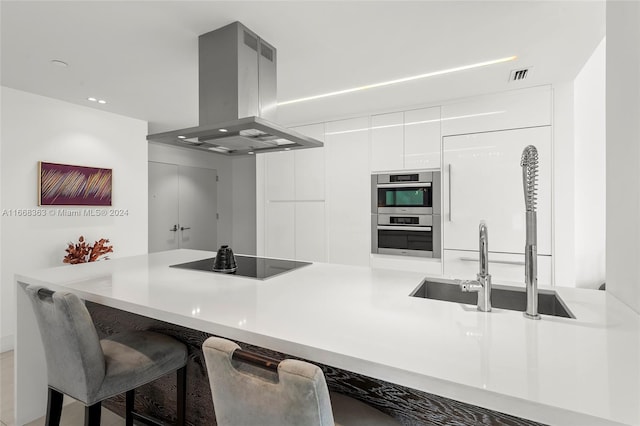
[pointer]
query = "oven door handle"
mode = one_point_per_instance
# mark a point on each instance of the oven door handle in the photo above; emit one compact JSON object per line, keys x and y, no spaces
{"x":404,"y":228}
{"x":405,"y":185}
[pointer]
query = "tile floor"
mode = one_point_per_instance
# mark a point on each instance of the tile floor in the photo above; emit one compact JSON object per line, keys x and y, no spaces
{"x":72,"y":413}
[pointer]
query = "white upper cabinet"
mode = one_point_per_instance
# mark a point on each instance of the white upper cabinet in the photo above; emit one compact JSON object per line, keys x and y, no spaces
{"x":309,"y":166}
{"x":509,"y":110}
{"x":279,"y":175}
{"x":407,"y":140}
{"x":422,"y":138}
{"x":348,"y":191}
{"x":483,"y":181}
{"x":387,"y":142}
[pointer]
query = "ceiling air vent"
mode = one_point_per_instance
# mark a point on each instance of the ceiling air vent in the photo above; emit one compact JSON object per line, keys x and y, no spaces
{"x":519,"y":75}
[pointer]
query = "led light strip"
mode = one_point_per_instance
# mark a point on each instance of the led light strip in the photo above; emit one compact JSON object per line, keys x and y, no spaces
{"x":400,"y":80}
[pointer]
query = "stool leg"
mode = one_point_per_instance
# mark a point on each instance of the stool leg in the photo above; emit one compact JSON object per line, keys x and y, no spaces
{"x":182,"y":395}
{"x":54,"y":408}
{"x":130,"y":398}
{"x":92,"y":414}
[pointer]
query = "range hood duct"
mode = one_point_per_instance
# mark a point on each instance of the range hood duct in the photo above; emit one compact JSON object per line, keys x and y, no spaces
{"x":237,"y":90}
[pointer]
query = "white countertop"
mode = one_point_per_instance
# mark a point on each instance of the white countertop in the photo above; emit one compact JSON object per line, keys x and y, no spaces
{"x":557,"y":371}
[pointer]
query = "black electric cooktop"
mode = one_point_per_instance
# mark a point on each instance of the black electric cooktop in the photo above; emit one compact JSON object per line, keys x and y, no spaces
{"x":248,"y":266}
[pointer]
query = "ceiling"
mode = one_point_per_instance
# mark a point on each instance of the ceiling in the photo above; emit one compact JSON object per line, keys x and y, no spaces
{"x":141,"y":56}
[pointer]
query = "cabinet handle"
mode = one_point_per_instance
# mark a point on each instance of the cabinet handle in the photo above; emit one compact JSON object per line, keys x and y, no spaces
{"x":504,"y":262}
{"x":174,"y":229}
{"x":450,"y":178}
{"x":182,"y":228}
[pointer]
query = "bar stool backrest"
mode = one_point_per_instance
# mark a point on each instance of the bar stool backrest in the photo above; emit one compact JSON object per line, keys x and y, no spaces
{"x":243,"y":395}
{"x":75,"y":361}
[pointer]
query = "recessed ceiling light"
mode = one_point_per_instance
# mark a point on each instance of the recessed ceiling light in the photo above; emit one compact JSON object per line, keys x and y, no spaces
{"x":102,"y":101}
{"x":400,"y":80}
{"x":92,"y":99}
{"x":223,"y":130}
{"x":251,"y":152}
{"x":59,"y":63}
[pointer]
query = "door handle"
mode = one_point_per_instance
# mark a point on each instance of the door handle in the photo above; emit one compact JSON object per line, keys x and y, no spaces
{"x":174,"y":229}
{"x":182,"y":228}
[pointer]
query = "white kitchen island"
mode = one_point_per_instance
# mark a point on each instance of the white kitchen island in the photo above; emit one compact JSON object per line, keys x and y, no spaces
{"x":583,"y":371}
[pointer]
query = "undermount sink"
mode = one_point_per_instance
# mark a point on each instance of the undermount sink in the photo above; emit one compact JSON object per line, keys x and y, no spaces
{"x":502,"y":297}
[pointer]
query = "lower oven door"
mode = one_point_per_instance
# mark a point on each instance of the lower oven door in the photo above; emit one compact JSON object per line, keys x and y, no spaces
{"x":406,"y":240}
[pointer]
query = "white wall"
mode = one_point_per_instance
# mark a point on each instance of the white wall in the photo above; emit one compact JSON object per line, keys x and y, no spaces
{"x":589,"y":117}
{"x":623,"y":151}
{"x":35,"y":128}
{"x":236,"y":191}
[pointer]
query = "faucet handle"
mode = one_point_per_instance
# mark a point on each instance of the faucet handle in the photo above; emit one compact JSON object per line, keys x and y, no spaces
{"x":469,"y":285}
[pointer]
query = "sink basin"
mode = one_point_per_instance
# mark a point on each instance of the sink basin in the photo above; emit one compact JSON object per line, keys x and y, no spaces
{"x":503,"y":297}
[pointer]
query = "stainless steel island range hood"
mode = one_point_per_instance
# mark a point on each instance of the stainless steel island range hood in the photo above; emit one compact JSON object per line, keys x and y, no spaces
{"x":237,"y":90}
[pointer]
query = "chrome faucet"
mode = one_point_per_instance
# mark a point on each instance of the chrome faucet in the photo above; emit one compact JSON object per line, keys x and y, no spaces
{"x":529,"y":163}
{"x":482,"y":284}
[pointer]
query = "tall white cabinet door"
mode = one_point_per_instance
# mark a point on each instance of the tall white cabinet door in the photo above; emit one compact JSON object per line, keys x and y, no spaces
{"x":280,"y":230}
{"x":348,"y":191}
{"x":198,"y":194}
{"x":483,"y":181}
{"x":309,"y":166}
{"x":422,"y":138}
{"x":310,"y":235}
{"x":279,"y":173}
{"x":163,"y":207}
{"x":387,"y":142}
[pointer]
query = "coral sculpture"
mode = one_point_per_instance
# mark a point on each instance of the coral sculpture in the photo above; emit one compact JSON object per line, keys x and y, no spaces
{"x":81,"y":252}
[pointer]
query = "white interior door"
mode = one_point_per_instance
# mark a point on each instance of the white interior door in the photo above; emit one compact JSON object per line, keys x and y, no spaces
{"x":182,"y":207}
{"x":198,"y":208}
{"x":163,"y":207}
{"x":483,"y":181}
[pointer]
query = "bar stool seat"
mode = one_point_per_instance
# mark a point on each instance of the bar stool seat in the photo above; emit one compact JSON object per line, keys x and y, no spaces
{"x":91,"y":370}
{"x":251,"y":390}
{"x":135,"y":358}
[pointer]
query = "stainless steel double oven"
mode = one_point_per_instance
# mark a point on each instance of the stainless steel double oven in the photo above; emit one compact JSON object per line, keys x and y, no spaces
{"x":405,"y":214}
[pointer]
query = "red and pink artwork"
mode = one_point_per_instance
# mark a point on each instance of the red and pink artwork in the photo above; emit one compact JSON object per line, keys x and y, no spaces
{"x":66,"y":185}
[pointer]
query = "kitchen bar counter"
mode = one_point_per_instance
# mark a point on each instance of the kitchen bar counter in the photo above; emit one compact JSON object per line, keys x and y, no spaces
{"x":583,"y":371}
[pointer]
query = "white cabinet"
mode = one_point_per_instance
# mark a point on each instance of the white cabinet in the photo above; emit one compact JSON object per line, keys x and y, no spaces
{"x":483,"y":181}
{"x":348,"y":191}
{"x":407,"y":140}
{"x":310,"y":235}
{"x":294,"y":218}
{"x":422,"y":138}
{"x":508,"y":110}
{"x":428,"y":266}
{"x":279,"y":232}
{"x":279,"y":176}
{"x":387,"y":142}
{"x":309,"y":166}
{"x":506,"y":268}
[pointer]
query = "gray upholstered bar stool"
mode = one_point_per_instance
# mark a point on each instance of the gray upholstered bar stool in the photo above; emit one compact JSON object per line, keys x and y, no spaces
{"x":251,"y":390}
{"x":91,"y":370}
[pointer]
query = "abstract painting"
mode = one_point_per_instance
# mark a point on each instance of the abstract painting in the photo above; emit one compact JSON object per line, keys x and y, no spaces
{"x":65,"y":185}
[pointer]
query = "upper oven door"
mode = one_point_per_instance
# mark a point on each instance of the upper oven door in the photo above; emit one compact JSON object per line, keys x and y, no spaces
{"x":412,"y":198}
{"x":409,"y":193}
